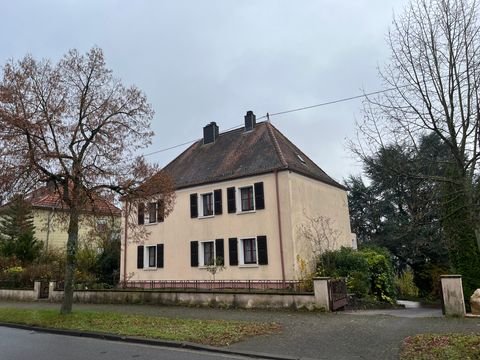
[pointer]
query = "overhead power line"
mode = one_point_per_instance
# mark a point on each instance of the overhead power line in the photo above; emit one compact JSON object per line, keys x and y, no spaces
{"x":269,"y":115}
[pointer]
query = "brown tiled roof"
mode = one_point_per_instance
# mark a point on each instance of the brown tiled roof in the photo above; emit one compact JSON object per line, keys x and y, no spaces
{"x":239,"y":153}
{"x":49,"y":198}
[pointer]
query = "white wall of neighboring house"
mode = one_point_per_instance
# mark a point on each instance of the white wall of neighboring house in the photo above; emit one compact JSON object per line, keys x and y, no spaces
{"x":297,"y":196}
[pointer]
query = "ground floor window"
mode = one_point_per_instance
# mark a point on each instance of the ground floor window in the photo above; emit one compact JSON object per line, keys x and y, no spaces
{"x":208,"y":252}
{"x":151,"y":256}
{"x":249,"y":250}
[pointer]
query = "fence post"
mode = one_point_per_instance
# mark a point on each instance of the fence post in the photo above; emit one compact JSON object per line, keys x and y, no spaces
{"x":452,"y":295}
{"x":322,"y":295}
{"x":36,"y":289}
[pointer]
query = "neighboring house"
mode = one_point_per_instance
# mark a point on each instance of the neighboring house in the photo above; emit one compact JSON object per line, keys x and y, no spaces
{"x":242,"y":196}
{"x":51,"y":218}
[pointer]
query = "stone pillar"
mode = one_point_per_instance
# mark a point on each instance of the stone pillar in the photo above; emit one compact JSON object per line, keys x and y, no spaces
{"x":51,"y":289}
{"x":36,"y":289}
{"x":452,"y":295}
{"x":322,"y":296}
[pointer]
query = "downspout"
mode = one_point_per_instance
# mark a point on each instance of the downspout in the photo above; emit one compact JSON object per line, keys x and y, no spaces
{"x":279,"y":226}
{"x":127,"y":210}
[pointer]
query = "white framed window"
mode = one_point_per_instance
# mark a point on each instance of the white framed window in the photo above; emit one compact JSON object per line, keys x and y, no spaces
{"x":101,"y":225}
{"x":206,"y":204}
{"x":246,"y":199}
{"x":150,"y":257}
{"x":247,"y":254}
{"x":206,"y":253}
{"x":152,"y":212}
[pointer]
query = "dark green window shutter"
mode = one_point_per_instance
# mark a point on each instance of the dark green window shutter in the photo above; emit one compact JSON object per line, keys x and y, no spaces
{"x":231,"y":200}
{"x":262,"y":250}
{"x":194,"y":253}
{"x":160,"y":211}
{"x":140,"y":257}
{"x":141,"y":213}
{"x":259,"y":197}
{"x":159,"y":255}
{"x":219,"y":251}
{"x":233,"y":251}
{"x":217,"y":196}
{"x":193,"y":205}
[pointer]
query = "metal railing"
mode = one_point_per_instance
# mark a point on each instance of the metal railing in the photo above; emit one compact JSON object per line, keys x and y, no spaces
{"x":291,"y":286}
{"x":17,"y":284}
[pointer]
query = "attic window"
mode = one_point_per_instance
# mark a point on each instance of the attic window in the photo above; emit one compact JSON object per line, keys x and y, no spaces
{"x":301,"y":159}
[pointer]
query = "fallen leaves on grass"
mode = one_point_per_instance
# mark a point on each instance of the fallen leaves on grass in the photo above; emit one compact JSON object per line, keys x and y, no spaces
{"x":441,"y":347}
{"x":209,"y":332}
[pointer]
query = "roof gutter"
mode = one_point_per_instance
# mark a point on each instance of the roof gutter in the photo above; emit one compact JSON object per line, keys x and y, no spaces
{"x":279,"y":218}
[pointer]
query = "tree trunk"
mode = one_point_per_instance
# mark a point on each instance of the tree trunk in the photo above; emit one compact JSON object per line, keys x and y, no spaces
{"x":71,"y":264}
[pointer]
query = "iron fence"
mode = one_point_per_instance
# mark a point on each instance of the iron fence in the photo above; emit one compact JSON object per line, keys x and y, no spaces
{"x":17,"y":284}
{"x":290,"y":286}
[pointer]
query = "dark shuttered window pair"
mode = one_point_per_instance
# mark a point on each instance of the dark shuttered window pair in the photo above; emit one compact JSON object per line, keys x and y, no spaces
{"x":207,"y":202}
{"x":248,"y":201}
{"x":156,"y":212}
{"x":154,"y":256}
{"x":249,"y":254}
{"x":206,"y":248}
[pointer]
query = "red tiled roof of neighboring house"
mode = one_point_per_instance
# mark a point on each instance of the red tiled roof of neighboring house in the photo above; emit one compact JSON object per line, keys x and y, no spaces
{"x":239,"y":153}
{"x":50,"y":198}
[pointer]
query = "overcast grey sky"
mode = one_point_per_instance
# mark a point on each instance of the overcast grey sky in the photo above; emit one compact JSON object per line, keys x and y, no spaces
{"x":202,"y":61}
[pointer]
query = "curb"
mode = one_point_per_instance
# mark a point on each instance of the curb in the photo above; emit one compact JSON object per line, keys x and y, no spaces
{"x":151,"y":342}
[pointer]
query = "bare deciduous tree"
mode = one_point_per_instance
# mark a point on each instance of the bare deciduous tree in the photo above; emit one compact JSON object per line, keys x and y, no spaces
{"x":321,"y":235}
{"x":73,"y":125}
{"x":434,"y":77}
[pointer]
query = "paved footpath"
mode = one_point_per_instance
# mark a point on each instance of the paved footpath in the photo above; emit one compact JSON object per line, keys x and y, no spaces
{"x":343,"y":335}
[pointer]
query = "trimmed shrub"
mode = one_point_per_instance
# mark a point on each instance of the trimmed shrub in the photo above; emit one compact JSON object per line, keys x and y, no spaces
{"x":367,"y":272}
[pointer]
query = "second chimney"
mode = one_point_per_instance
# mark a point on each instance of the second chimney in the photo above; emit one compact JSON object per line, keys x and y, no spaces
{"x":210,"y":133}
{"x":250,"y":121}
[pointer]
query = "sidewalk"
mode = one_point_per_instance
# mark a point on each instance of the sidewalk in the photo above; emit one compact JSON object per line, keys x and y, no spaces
{"x":305,"y":334}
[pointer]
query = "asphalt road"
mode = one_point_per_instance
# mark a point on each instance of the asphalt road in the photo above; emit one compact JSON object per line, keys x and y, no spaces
{"x":366,"y":335}
{"x":18,"y":344}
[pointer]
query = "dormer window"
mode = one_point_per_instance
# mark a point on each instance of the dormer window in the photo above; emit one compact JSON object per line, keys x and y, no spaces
{"x":301,"y":159}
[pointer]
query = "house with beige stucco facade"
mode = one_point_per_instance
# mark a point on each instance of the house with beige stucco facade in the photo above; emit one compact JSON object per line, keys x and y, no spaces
{"x":50,"y":218}
{"x":242,"y":198}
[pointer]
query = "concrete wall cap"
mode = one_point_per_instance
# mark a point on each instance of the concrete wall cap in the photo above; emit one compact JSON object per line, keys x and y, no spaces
{"x":450,"y":276}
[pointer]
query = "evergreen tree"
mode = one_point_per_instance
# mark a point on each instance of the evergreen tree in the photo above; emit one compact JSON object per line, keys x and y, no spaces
{"x":17,"y":231}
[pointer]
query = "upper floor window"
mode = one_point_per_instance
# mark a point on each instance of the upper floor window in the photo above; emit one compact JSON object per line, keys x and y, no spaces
{"x":250,"y":198}
{"x":207,"y":204}
{"x":246,"y":198}
{"x":152,"y":212}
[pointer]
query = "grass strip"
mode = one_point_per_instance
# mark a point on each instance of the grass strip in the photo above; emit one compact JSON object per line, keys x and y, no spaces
{"x":441,"y":347}
{"x":208,"y":332}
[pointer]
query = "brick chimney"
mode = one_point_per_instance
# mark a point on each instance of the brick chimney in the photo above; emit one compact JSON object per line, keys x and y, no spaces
{"x":210,"y":133}
{"x":250,"y":120}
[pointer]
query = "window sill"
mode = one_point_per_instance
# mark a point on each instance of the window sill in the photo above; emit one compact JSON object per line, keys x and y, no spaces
{"x":248,"y":266}
{"x":150,"y":269}
{"x":246,"y":212}
{"x":150,"y":224}
{"x":206,"y":217}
